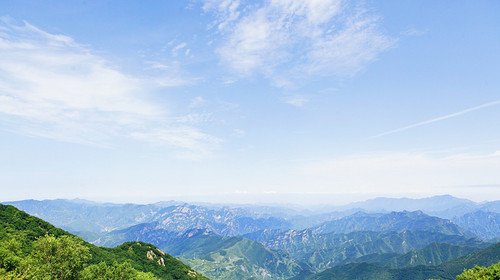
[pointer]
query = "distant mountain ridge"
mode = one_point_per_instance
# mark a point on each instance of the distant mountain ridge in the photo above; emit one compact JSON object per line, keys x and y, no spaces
{"x":99,"y":218}
{"x":82,"y":215}
{"x":428,"y":204}
{"x":483,"y":224}
{"x":394,"y":221}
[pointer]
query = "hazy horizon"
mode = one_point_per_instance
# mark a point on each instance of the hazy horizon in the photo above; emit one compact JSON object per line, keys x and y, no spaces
{"x":298,"y":201}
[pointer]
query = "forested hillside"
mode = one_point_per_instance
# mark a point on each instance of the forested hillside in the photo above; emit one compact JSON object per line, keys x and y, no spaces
{"x":31,"y":248}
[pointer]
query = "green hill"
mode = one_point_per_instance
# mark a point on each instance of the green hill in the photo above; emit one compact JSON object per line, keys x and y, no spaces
{"x":232,"y":257}
{"x":432,"y":254}
{"x":31,"y":245}
{"x":448,"y":270}
{"x":322,"y":251}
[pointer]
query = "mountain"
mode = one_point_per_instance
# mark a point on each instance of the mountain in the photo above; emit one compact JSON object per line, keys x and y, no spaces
{"x":448,"y":270}
{"x":147,"y":232}
{"x":84,"y":216}
{"x":321,"y":251}
{"x":491,"y":206}
{"x":317,"y":250}
{"x":17,"y":227}
{"x":214,"y":255}
{"x":261,"y":242}
{"x":394,"y":221}
{"x":484,"y":224}
{"x":222,"y":221}
{"x":432,"y":254}
{"x":429,"y":204}
{"x":222,"y":257}
{"x":443,"y":206}
{"x":93,"y":219}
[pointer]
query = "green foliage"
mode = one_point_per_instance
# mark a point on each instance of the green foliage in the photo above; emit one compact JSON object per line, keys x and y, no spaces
{"x":233,"y":257}
{"x":481,"y":273}
{"x":10,"y":252}
{"x":33,"y":249}
{"x":12,"y":220}
{"x":322,"y":251}
{"x":145,"y":257}
{"x":56,"y":258}
{"x":115,"y":271}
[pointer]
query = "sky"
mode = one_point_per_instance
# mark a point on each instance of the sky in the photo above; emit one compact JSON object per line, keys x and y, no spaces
{"x":289,"y":101}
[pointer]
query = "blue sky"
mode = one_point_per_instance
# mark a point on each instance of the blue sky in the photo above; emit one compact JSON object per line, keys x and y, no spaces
{"x":229,"y":100}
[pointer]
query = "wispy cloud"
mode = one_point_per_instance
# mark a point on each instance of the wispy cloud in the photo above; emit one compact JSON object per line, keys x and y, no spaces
{"x":196,"y":102}
{"x":238,"y":133}
{"x":195,"y":118}
{"x":226,"y":11}
{"x":194,"y":144}
{"x":415,"y":32}
{"x":285,"y":40}
{"x":179,"y":47}
{"x":296,"y":100}
{"x":486,"y":105}
{"x":53,"y":87}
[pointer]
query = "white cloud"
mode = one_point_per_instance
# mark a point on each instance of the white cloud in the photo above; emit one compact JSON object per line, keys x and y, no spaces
{"x":161,"y":74}
{"x":226,"y":11}
{"x":348,"y":50}
{"x":300,"y":38}
{"x":52,"y":87}
{"x":176,"y":49}
{"x":195,"y":144}
{"x":414,"y":32}
{"x":296,"y":100}
{"x":195,"y":118}
{"x":406,"y":172}
{"x":238,"y":133}
{"x":196,"y":102}
{"x":156,"y":65}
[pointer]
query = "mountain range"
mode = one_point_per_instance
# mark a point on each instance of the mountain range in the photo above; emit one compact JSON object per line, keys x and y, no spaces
{"x":445,"y":271}
{"x":382,"y":235}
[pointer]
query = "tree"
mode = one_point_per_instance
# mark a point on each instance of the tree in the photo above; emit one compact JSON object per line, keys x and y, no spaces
{"x":113,"y":272}
{"x":11,"y":255}
{"x":481,"y":273}
{"x":56,"y":258}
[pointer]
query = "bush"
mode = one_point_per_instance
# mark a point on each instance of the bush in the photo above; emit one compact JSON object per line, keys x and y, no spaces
{"x":481,"y":273}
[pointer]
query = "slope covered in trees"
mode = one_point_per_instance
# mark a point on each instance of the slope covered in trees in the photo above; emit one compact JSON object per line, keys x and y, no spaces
{"x":479,"y":272}
{"x":31,"y":248}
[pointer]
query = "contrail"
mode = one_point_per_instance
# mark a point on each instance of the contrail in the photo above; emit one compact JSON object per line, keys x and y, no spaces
{"x":438,"y":119}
